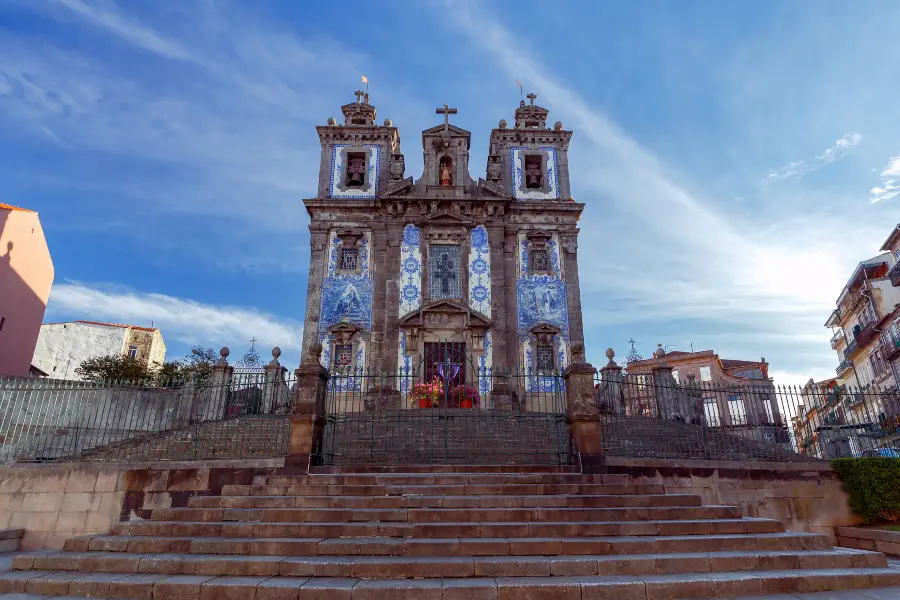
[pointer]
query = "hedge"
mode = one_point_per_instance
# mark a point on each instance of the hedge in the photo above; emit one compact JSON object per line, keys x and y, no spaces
{"x":873,"y":485}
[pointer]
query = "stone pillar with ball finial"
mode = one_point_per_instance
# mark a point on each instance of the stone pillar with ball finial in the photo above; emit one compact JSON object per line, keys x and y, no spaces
{"x":220,"y":384}
{"x":582,"y":412}
{"x":610,"y":395}
{"x":307,"y":410}
{"x":274,"y":396}
{"x":664,"y":386}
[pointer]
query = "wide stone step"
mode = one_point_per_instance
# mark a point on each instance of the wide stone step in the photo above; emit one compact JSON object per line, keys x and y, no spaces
{"x":380,"y":546}
{"x":433,"y":515}
{"x":448,"y":529}
{"x":588,"y":587}
{"x":431,"y":567}
{"x":416,"y":501}
{"x":524,"y":489}
{"x":446,"y":479}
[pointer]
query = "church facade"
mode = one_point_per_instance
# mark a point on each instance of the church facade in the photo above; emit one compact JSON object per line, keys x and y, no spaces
{"x":403,"y":269}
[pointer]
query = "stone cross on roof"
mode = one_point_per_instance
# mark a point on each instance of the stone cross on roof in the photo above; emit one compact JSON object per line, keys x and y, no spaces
{"x":446,"y":111}
{"x":359,"y":94}
{"x":531,"y":97}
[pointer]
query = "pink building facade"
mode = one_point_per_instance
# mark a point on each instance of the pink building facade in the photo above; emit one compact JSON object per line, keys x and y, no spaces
{"x":26,"y":275}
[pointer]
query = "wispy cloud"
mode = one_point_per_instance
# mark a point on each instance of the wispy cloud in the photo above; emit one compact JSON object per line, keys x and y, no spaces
{"x":890,"y":184}
{"x":180,"y":319}
{"x":794,"y":170}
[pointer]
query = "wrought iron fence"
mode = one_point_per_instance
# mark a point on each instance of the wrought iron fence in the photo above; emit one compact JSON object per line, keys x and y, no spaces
{"x":241,"y":416}
{"x":445,"y":413}
{"x":657,"y":417}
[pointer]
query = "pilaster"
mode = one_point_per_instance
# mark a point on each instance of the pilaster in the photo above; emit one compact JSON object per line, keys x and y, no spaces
{"x":318,"y":243}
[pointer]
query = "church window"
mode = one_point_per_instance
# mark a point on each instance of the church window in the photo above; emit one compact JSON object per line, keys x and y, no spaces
{"x":356,"y":169}
{"x":544,"y":358}
{"x":444,"y":272}
{"x":349,"y":259}
{"x":343,"y":356}
{"x":534,"y":176}
{"x":540,"y":259}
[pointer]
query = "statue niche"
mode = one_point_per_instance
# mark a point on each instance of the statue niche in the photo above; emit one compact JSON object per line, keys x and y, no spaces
{"x":446,"y":171}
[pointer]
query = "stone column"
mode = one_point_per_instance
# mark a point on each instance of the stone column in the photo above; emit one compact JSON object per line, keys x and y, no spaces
{"x":391,"y":297}
{"x":380,"y":280}
{"x":508,"y":293}
{"x":498,"y":295}
{"x":307,"y":410}
{"x":272,"y":395}
{"x":318,"y":247}
{"x":569,"y":243}
{"x":582,"y":413}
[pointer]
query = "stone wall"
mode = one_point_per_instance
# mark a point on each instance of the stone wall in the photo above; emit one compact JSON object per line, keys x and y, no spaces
{"x":805,"y":496}
{"x":55,"y":502}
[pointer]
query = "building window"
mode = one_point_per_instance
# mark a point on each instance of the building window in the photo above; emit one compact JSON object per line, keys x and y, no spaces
{"x":705,"y":374}
{"x":443,"y":271}
{"x":540,"y":260}
{"x":675,"y":375}
{"x":711,"y":411}
{"x":349,"y":259}
{"x":343,"y":356}
{"x":356,"y":169}
{"x":132,"y":352}
{"x":736,"y":409}
{"x":544,"y":358}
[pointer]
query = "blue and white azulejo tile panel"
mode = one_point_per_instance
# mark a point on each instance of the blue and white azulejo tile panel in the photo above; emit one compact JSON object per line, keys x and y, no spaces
{"x":373,"y":168}
{"x":517,"y":171}
{"x":480,"y":272}
{"x":410,"y":271}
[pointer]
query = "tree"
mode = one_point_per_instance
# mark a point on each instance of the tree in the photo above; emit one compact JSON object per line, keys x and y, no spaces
{"x":198,"y":364}
{"x":114,"y":367}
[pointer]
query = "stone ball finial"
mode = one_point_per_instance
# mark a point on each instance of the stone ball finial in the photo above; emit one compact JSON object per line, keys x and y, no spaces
{"x":331,"y":121}
{"x":610,"y":353}
{"x":660,"y":351}
{"x":558,"y":126}
{"x":224,"y":352}
{"x":503,"y":123}
{"x":388,"y":123}
{"x":276,"y":352}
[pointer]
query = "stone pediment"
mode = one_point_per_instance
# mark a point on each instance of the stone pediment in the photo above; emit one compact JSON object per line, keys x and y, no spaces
{"x":489,"y":188}
{"x":453,"y":130}
{"x":446,"y":218}
{"x":446,"y":313}
{"x":398,"y":188}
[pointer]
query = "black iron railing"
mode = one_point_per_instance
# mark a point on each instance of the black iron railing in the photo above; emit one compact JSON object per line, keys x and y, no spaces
{"x":655,"y":417}
{"x":240,"y":416}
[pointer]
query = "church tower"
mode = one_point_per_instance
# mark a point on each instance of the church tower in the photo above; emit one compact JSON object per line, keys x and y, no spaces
{"x":403,"y":268}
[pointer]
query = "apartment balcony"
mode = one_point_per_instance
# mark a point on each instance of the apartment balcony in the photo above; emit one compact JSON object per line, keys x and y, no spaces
{"x":844,"y":366}
{"x":862,"y":335}
{"x":836,"y":339}
{"x":894,"y":274}
{"x":890,"y":348}
{"x":852,"y":347}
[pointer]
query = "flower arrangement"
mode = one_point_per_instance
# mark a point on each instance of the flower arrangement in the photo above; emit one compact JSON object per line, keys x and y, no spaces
{"x":463,"y":396}
{"x":427,"y":394}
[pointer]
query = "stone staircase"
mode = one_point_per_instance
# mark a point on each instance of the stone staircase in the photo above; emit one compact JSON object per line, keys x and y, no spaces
{"x":451,"y":536}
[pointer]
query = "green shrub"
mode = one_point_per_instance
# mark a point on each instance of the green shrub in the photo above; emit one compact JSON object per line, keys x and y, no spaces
{"x":873,"y":485}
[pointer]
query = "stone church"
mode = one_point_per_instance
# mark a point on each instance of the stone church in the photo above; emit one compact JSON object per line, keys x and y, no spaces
{"x":402,"y":266}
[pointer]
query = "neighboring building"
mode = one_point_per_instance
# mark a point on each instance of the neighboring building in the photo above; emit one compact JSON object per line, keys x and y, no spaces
{"x":890,"y":327}
{"x":406,"y":272}
{"x":26,"y":274}
{"x":62,"y":347}
{"x":737,"y":394}
{"x":818,"y":406}
{"x":866,"y":308}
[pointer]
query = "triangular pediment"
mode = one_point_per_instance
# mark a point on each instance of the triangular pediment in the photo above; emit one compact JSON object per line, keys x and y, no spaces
{"x":397,"y":188}
{"x":446,"y":218}
{"x":489,"y":188}
{"x":453,"y":130}
{"x":446,"y":307}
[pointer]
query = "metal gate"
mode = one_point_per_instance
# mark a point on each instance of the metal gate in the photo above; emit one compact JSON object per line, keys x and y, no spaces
{"x":447,"y":409}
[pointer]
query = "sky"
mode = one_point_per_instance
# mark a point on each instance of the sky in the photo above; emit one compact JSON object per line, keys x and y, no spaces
{"x":736,"y":160}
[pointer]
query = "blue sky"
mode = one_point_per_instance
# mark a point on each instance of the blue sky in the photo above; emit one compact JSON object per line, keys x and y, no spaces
{"x":735,"y":158}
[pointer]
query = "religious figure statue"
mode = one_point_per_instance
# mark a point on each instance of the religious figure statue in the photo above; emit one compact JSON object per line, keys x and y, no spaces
{"x":446,"y":176}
